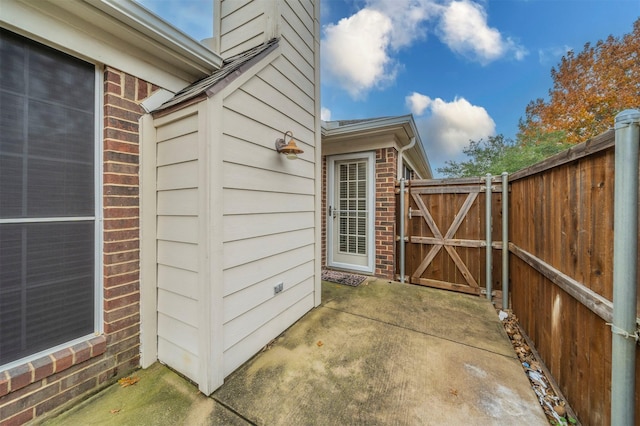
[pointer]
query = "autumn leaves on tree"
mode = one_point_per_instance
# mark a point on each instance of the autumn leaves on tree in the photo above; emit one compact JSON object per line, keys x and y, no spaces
{"x":589,"y":89}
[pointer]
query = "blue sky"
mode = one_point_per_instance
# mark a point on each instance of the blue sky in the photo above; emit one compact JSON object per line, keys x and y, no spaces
{"x":465,"y":69}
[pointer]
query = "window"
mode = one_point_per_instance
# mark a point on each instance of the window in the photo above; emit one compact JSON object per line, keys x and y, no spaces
{"x":48,"y":227}
{"x":407,"y":172}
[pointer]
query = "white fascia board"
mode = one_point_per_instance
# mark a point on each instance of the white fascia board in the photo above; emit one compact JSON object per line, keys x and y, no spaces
{"x":146,"y":22}
{"x":363,"y":126}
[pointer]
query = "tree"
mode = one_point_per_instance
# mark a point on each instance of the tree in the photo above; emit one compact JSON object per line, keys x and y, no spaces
{"x":498,"y":154}
{"x":589,"y":89}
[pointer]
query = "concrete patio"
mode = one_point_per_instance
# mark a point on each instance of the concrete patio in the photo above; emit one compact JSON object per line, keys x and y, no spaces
{"x":381,"y":353}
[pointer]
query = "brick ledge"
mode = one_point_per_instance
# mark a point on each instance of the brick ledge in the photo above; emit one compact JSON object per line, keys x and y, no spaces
{"x":31,"y":372}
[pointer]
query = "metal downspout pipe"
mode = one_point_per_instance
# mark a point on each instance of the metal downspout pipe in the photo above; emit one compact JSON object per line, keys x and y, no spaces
{"x":402,"y":206}
{"x":488,"y":259}
{"x":505,"y":240}
{"x":402,"y":248}
{"x":625,"y":257}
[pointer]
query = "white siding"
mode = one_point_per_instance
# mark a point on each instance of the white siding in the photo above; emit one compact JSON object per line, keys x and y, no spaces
{"x":177,"y":241}
{"x":242,"y":25}
{"x":268,"y":201}
{"x":234,"y":217}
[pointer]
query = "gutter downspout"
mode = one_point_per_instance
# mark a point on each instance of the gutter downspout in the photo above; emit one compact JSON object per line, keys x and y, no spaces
{"x":402,"y":248}
{"x":402,"y":207}
{"x":625,"y":257}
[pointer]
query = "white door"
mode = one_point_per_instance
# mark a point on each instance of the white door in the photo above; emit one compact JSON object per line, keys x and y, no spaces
{"x":350,"y":215}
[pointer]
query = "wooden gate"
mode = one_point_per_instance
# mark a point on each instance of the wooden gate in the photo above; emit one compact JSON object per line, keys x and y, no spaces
{"x":445,"y":234}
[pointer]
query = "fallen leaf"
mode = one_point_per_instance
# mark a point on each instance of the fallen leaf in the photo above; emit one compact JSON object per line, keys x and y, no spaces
{"x":128,"y":381}
{"x":453,"y":392}
{"x":114,"y":411}
{"x":319,"y":343}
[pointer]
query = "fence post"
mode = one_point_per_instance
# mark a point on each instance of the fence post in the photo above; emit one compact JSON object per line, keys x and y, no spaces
{"x":625,"y":257}
{"x":488,"y":259}
{"x":505,"y":240}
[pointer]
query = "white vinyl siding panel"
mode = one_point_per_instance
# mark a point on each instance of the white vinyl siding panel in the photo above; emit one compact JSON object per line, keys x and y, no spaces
{"x":269,"y":95}
{"x":269,"y":201}
{"x":240,"y":327}
{"x":236,"y":355}
{"x":257,"y":225}
{"x":246,"y":251}
{"x":294,"y":75}
{"x":182,"y":229}
{"x":178,"y":307}
{"x":243,"y":177}
{"x":237,"y":202}
{"x":242,"y":152}
{"x":256,"y":294}
{"x":178,"y":281}
{"x":261,"y":112}
{"x":242,"y":25}
{"x":244,"y":276}
{"x":177,"y":234}
{"x":182,"y":202}
{"x":178,"y":358}
{"x":291,"y":91}
{"x":237,"y":13}
{"x":300,"y":21}
{"x":178,"y":150}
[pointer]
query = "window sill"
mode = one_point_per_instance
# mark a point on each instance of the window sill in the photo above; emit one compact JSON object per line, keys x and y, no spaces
{"x":31,"y":372}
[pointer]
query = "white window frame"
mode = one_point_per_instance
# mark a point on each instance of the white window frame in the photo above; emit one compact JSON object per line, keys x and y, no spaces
{"x":370,"y":156}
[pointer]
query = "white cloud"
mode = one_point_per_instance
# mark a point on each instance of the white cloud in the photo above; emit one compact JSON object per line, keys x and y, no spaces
{"x":358,"y":51}
{"x":417,"y":102}
{"x":325,"y":114}
{"x":407,"y":18}
{"x":463,"y":27}
{"x":355,"y":52}
{"x":551,"y":55}
{"x":449,"y":126}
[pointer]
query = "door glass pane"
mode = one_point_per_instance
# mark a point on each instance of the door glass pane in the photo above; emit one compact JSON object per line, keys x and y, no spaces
{"x":352,"y":202}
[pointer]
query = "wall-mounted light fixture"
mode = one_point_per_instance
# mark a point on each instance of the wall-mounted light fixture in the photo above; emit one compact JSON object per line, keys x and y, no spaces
{"x":290,"y":149}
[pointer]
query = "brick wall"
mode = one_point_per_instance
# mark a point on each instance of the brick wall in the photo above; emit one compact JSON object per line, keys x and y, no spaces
{"x":385,"y":217}
{"x":47,"y":383}
{"x":386,"y":163}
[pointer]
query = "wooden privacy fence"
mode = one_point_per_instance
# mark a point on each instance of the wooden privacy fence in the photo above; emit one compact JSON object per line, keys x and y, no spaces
{"x":561,"y":222}
{"x":561,"y":270}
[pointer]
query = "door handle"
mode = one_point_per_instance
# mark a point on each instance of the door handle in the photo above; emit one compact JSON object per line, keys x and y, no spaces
{"x":330,"y":211}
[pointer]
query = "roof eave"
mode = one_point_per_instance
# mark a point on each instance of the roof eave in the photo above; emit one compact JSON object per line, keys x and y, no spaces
{"x":145,"y":22}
